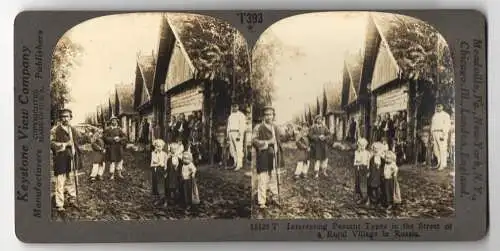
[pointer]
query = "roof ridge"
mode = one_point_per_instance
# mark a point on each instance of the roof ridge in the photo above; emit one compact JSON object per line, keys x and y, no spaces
{"x":384,"y":40}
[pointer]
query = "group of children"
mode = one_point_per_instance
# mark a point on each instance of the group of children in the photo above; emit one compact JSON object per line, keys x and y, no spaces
{"x":375,"y":171}
{"x":175,"y":166}
{"x":376,"y":175}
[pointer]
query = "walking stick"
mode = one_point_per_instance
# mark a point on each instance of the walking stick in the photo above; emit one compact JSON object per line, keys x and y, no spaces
{"x":277,"y":165}
{"x":278,"y":185}
{"x":75,"y":173}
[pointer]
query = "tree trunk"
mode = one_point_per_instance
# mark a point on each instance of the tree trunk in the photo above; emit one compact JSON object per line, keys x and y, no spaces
{"x":416,"y":99}
{"x":210,"y":124}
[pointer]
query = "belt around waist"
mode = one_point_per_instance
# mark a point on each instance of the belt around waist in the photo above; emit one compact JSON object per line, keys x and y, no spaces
{"x":234,"y":130}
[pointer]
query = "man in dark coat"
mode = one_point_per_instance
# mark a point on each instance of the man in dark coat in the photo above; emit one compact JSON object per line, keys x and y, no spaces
{"x":114,"y":139}
{"x":172,"y":135}
{"x":352,"y":131}
{"x":265,"y":139}
{"x":389,"y":130}
{"x":65,"y":148}
{"x":180,"y":130}
{"x":145,"y":132}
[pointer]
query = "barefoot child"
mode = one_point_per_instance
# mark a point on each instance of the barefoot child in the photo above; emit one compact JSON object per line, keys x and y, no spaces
{"x":97,"y":156}
{"x":376,"y":168}
{"x":361,"y":171}
{"x":303,"y":154}
{"x":189,"y":188}
{"x":172,"y":174}
{"x":390,"y":189}
{"x":158,"y":161}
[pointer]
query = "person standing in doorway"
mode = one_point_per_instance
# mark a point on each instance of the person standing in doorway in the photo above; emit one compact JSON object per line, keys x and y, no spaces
{"x":389,"y":130}
{"x":440,"y":128}
{"x":114,"y":139}
{"x":64,"y":140}
{"x":352,"y":131}
{"x":181,"y":130}
{"x":171,"y":129}
{"x":145,"y":132}
{"x":268,"y":158}
{"x":236,"y":126}
{"x":376,"y":133}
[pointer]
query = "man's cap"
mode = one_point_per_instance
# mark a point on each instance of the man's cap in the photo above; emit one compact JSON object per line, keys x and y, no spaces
{"x":318,"y":117}
{"x":65,"y":111}
{"x":268,"y":108}
{"x":113,"y":118}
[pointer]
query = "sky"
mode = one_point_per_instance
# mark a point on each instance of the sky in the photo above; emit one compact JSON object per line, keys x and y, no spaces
{"x":110,"y":47}
{"x":323,"y":39}
{"x":111,"y":44}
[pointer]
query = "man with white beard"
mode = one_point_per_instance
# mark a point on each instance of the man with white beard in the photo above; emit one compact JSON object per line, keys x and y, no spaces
{"x":440,"y":128}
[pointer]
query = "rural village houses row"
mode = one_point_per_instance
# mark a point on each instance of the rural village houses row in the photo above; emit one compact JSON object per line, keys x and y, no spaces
{"x":169,"y":83}
{"x":374,"y":84}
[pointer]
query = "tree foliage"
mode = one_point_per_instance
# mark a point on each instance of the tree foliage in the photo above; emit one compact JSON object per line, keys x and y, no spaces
{"x":325,"y":102}
{"x":334,"y":94}
{"x":64,"y":59}
{"x":318,"y":106}
{"x":102,"y":115}
{"x":217,"y":50}
{"x":421,"y":52}
{"x":267,"y":55}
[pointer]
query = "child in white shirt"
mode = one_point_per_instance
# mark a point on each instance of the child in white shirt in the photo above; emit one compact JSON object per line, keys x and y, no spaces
{"x":173,"y":173}
{"x":158,"y":162}
{"x":390,"y":186}
{"x":188,"y":187}
{"x":361,"y":171}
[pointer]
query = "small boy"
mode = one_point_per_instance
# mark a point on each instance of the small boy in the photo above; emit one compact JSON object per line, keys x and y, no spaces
{"x":189,"y":189}
{"x":97,"y":156}
{"x":158,"y":161}
{"x":361,"y":171}
{"x":390,"y":189}
{"x":172,"y":174}
{"x":376,"y":168}
{"x":303,"y":154}
{"x":385,"y":145}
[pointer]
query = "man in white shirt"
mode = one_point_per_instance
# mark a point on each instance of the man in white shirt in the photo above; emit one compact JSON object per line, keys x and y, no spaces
{"x":236,"y":126}
{"x":440,"y":128}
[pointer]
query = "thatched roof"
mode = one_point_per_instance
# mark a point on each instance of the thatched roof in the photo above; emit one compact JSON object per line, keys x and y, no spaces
{"x":125,"y":95}
{"x":354,"y":68}
{"x":412,"y":43}
{"x":146,"y":64}
{"x":206,"y":43}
